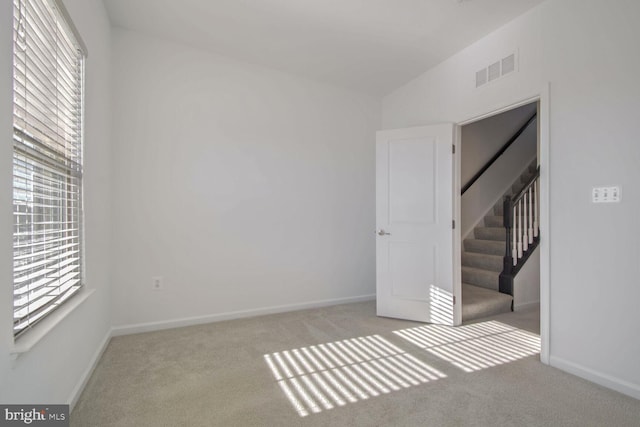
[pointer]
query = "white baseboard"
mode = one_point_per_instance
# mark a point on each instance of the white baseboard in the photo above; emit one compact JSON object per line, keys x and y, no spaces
{"x":526,"y":305}
{"x":605,"y":380}
{"x":198,"y":320}
{"x":77,"y":390}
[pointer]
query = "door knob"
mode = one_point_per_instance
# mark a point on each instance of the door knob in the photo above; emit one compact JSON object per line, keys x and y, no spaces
{"x":381,"y":232}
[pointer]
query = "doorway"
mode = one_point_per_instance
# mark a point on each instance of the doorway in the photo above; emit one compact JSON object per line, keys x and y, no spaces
{"x":400,"y":279}
{"x":541,"y":267}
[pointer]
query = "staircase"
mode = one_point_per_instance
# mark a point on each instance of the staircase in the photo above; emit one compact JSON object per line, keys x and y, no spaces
{"x":482,"y":260}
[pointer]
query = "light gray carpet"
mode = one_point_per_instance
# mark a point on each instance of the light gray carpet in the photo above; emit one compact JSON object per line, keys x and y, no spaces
{"x":478,"y":302}
{"x":217,"y":375}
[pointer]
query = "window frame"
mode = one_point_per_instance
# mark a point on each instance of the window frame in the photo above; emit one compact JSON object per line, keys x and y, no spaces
{"x":43,"y":155}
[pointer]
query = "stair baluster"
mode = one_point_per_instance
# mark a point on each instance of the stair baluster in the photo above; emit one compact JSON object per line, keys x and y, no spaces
{"x":536,"y":210}
{"x":521,"y":218}
{"x":513,"y":211}
{"x":525,"y":221}
{"x":530,"y":228}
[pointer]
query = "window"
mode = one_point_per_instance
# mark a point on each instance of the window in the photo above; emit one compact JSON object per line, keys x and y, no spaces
{"x":47,"y":161}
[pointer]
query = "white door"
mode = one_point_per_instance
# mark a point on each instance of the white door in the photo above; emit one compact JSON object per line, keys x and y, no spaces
{"x":414,"y":230}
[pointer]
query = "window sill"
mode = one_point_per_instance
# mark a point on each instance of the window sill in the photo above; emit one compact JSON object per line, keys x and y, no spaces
{"x":39,"y":331}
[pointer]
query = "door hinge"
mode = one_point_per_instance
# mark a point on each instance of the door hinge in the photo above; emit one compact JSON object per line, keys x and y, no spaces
{"x":454,"y":300}
{"x":453,"y":224}
{"x":454,"y":149}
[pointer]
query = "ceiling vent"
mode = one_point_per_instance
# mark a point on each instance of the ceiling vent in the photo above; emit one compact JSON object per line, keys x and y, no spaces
{"x":496,"y":70}
{"x":481,"y":77}
{"x":509,"y":64}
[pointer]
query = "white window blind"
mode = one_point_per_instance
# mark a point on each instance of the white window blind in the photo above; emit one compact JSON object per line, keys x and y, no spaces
{"x":47,"y":161}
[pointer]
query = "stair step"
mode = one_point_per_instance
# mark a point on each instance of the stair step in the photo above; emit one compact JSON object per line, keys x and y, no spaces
{"x":480,"y":277}
{"x":484,"y":261}
{"x":516,"y":188}
{"x":490,"y":247}
{"x":498,"y":209}
{"x":520,"y":182}
{"x":526,"y":177}
{"x":479,"y":302}
{"x":493,"y":221}
{"x":490,"y":233}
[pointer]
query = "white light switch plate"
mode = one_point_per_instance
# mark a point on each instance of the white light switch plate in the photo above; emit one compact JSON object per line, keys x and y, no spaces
{"x":606,"y":194}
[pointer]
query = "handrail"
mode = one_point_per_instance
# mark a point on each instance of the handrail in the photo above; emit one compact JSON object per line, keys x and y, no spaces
{"x":498,"y":154}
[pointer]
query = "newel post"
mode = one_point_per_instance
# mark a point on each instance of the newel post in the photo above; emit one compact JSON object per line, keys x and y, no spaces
{"x":506,"y":277}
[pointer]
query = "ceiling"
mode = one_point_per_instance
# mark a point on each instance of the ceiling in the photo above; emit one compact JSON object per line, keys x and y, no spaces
{"x":373,"y":46}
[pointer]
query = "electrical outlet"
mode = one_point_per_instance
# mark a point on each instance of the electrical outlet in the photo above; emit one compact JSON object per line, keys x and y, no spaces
{"x":606,"y":194}
{"x":157,"y":283}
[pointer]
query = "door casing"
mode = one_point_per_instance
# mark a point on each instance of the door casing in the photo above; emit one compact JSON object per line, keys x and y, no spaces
{"x":543,"y":99}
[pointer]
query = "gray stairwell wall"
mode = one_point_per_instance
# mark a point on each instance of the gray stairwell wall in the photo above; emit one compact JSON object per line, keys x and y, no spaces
{"x":526,"y":284}
{"x":480,"y":141}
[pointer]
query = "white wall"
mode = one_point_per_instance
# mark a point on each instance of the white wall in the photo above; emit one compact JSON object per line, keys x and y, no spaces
{"x":245,"y":188}
{"x":52,"y":371}
{"x":586,"y":50}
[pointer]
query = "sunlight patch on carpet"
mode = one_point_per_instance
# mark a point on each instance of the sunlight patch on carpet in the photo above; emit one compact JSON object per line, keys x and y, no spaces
{"x":324,"y":376}
{"x":476,"y":346}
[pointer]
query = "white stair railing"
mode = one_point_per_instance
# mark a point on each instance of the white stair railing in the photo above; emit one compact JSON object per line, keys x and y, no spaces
{"x":521,"y":222}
